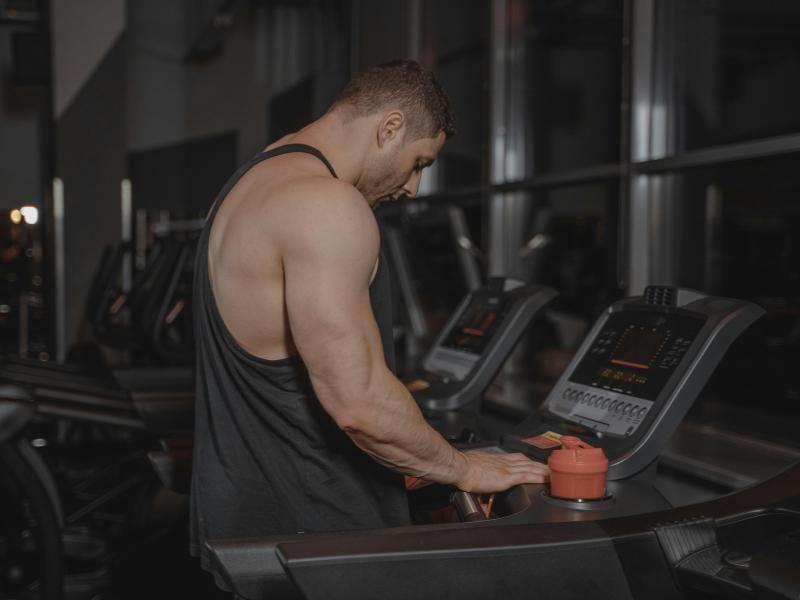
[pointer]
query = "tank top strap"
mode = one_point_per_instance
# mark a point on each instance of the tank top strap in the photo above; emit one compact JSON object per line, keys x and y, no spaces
{"x":289,"y":148}
{"x":262,"y":156}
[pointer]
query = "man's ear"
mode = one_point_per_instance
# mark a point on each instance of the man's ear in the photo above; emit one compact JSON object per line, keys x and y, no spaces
{"x":391,"y":127}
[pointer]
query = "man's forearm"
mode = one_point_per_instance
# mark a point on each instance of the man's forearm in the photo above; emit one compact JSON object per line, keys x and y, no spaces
{"x":389,"y":426}
{"x":382,"y":418}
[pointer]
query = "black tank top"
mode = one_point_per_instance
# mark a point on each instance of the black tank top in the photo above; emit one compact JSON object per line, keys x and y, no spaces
{"x":267,"y":458}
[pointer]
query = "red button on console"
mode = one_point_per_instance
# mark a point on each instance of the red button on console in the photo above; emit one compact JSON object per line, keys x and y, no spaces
{"x":577,"y":470}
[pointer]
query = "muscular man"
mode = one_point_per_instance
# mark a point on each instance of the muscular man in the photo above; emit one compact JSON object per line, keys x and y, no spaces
{"x":300,"y":424}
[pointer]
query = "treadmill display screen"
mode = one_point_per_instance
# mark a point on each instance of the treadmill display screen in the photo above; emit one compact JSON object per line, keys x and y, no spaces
{"x":635,"y":353}
{"x":638,"y":347}
{"x":474,"y":329}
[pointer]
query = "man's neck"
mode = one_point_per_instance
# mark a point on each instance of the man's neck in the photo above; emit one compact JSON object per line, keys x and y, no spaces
{"x":343,"y":143}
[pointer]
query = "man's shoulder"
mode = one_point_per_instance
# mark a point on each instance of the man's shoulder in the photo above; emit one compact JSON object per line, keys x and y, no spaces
{"x":326,"y":193}
{"x":323,"y":202}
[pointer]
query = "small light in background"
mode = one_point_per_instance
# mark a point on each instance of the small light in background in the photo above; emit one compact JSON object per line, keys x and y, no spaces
{"x":16,"y":216}
{"x":30,"y":214}
{"x":39,"y":442}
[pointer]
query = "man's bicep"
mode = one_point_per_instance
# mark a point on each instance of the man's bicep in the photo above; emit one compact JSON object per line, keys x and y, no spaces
{"x":323,"y":296}
{"x":326,"y":282}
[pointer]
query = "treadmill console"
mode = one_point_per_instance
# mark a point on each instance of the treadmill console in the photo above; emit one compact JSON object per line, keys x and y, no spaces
{"x":475,"y":343}
{"x":636,"y":375}
{"x":629,"y":362}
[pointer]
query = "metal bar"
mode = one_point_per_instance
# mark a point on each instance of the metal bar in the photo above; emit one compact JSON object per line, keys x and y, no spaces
{"x":416,"y":317}
{"x":601,"y":172}
{"x":24,"y":321}
{"x":713,"y":239}
{"x":466,"y":259}
{"x":166,"y":226}
{"x":82,"y":399}
{"x":574,"y":177}
{"x":421,"y":50}
{"x":638,"y":271}
{"x":450,"y":194}
{"x":497,"y":135}
{"x":774,"y":146}
{"x":109,"y":495}
{"x":509,"y":211}
{"x":141,"y":239}
{"x":126,"y":222}
{"x":60,"y":277}
{"x":88,"y":415}
{"x":47,"y":164}
{"x":623,"y":218}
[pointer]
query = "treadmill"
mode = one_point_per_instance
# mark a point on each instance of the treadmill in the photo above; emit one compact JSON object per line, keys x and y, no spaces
{"x":634,"y":377}
{"x":471,"y":349}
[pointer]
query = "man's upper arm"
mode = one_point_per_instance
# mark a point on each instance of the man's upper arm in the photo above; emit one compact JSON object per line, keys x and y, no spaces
{"x":329,"y":249}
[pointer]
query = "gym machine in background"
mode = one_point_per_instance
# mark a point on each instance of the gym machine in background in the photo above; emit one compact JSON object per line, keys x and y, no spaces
{"x":469,"y":352}
{"x":75,"y":436}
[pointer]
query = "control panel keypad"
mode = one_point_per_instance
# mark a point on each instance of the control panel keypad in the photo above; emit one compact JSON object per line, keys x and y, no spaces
{"x":674,"y":353}
{"x":601,"y":410}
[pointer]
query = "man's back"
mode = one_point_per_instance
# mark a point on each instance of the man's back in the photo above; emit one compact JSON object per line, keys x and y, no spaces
{"x":253,"y":229}
{"x":267,"y":458}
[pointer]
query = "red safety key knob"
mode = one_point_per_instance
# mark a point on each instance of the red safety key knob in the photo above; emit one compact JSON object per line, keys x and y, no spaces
{"x":577,"y":470}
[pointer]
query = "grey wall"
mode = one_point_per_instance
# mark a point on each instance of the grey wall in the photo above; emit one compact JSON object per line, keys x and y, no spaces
{"x":157,"y":36}
{"x":170,"y":100}
{"x":384,"y":31}
{"x":20,"y":178}
{"x":230,"y":92}
{"x":83,"y":31}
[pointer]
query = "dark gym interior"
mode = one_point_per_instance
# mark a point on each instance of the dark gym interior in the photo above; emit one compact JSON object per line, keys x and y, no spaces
{"x":620,"y":199}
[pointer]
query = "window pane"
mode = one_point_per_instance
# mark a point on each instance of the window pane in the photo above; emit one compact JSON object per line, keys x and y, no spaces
{"x":573,"y":93}
{"x":429,"y":278}
{"x":740,"y":237}
{"x":572,"y":247}
{"x":577,"y":254}
{"x":460,"y":49}
{"x":736,"y":66}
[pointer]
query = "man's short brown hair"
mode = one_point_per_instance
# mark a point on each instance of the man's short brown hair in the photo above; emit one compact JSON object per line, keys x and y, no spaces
{"x":406,"y":85}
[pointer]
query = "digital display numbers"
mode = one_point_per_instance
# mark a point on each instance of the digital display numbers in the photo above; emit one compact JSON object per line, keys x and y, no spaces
{"x":474,"y":329}
{"x":620,"y":376}
{"x":638,"y":348}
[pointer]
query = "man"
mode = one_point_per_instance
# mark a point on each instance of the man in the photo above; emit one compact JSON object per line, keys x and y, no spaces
{"x":300,"y":424}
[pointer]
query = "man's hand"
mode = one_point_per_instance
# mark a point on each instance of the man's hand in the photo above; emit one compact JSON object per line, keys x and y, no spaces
{"x":489,"y":472}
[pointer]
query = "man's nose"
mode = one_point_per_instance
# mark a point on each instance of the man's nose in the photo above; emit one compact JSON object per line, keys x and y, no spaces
{"x":411,"y":186}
